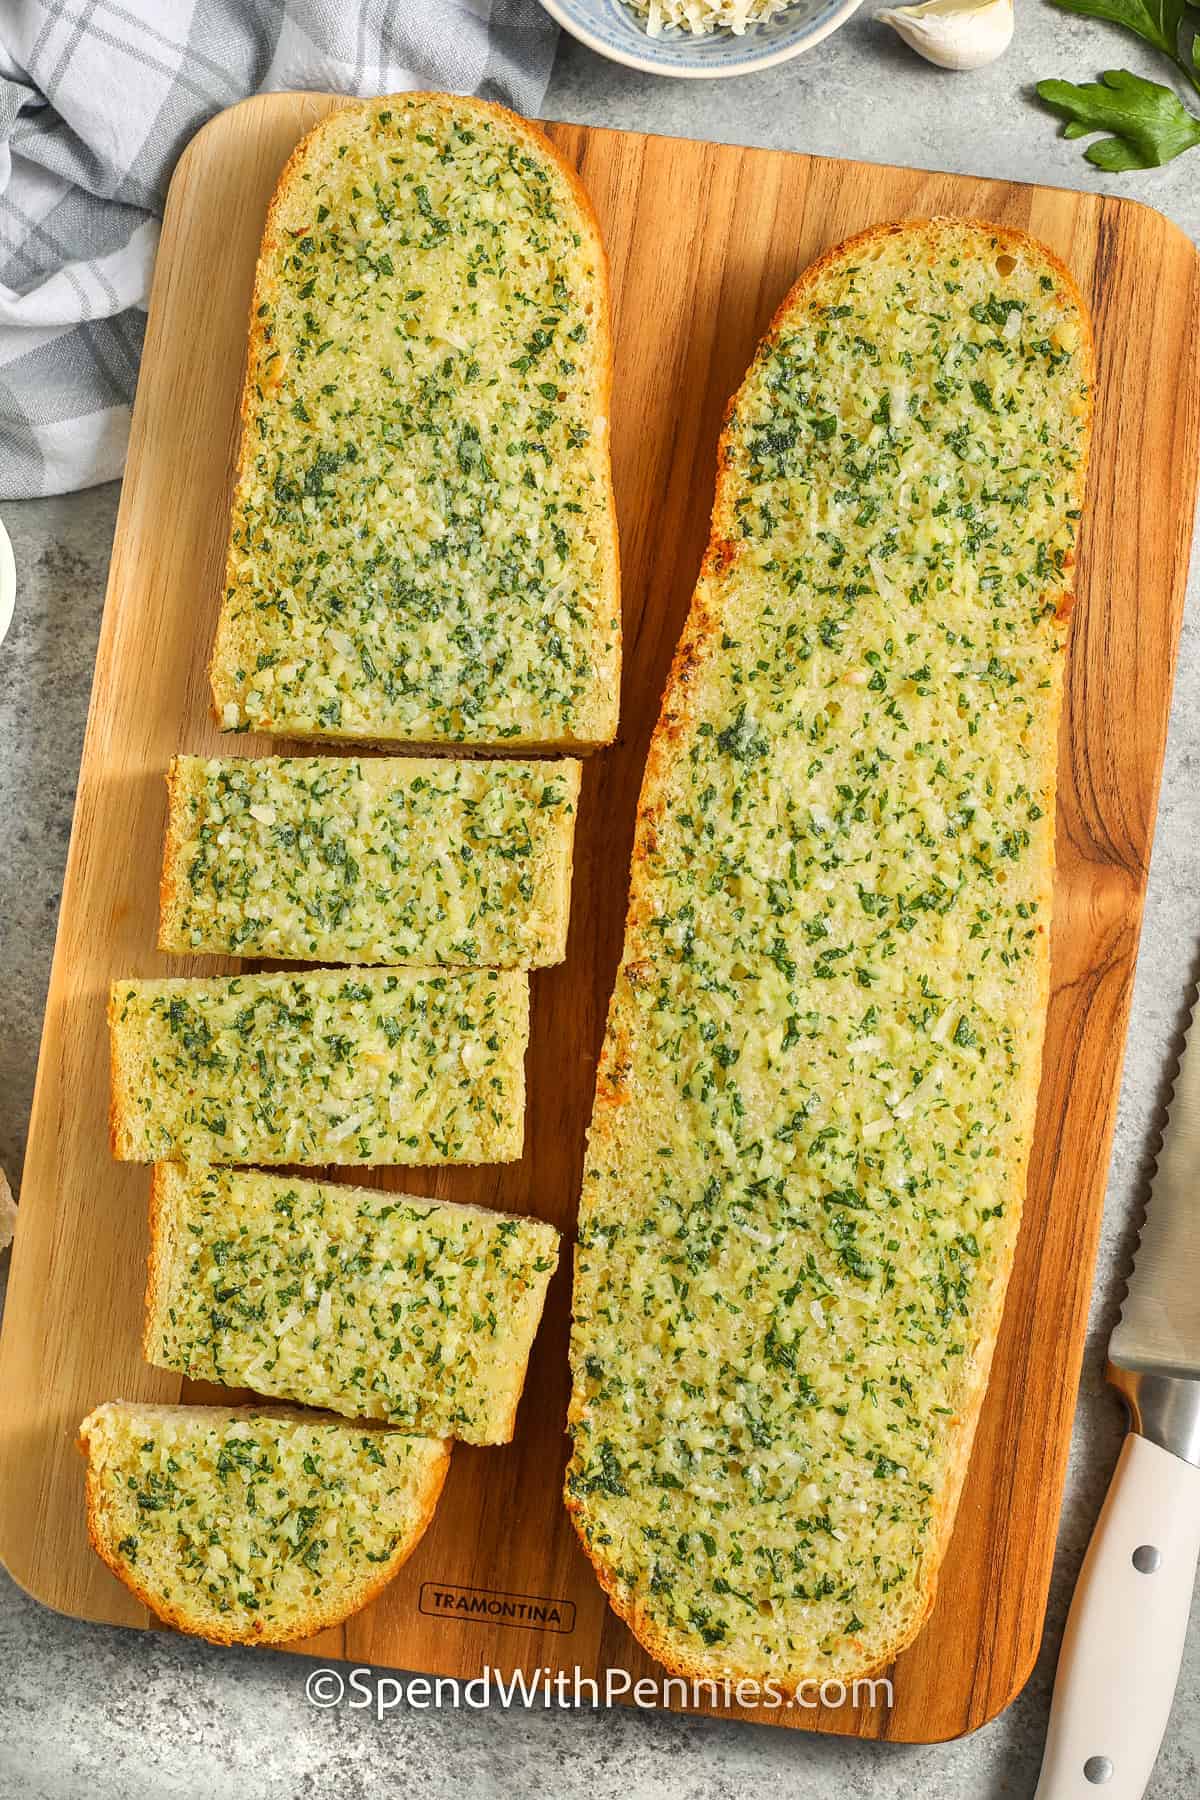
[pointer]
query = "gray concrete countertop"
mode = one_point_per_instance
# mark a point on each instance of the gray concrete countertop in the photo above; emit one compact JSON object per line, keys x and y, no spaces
{"x":110,"y":1714}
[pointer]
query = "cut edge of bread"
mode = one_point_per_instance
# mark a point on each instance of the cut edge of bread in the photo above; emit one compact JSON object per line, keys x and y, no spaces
{"x":676,"y":709}
{"x":225,"y":640}
{"x":352,"y":1597}
{"x":167,"y":1180}
{"x":562,"y":873}
{"x":530,"y":1321}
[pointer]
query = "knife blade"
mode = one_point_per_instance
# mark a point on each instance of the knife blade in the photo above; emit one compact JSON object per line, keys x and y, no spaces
{"x":1123,"y":1644}
{"x":1159,"y":1327}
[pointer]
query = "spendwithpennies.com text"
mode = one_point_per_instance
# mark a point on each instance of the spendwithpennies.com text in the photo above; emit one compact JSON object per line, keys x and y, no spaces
{"x":361,"y":1689}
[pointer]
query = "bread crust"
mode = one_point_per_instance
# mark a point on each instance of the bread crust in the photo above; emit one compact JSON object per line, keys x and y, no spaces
{"x":677,"y":708}
{"x":158,"y":1256}
{"x":266,"y":285}
{"x":118,"y":1095}
{"x":168,"y":885}
{"x":337,"y":1610}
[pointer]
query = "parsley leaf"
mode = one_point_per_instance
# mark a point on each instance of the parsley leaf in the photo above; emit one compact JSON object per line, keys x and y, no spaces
{"x":1149,"y":122}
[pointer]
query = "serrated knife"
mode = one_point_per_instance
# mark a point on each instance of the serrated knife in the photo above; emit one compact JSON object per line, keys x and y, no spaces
{"x":1123,"y":1644}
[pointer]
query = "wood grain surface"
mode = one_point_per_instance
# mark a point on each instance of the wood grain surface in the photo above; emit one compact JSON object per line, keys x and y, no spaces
{"x":704,"y":241}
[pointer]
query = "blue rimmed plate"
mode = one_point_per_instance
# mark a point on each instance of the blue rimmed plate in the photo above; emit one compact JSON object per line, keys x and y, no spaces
{"x":613,"y":29}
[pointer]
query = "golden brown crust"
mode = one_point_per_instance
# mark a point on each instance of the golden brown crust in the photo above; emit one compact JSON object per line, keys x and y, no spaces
{"x":168,"y":886}
{"x":265,"y":285}
{"x":118,"y":1099}
{"x":334,"y":1612}
{"x":700,"y":628}
{"x":158,"y":1257}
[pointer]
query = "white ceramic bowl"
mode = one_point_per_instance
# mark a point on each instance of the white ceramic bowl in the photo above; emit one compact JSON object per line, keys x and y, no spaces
{"x":613,"y":29}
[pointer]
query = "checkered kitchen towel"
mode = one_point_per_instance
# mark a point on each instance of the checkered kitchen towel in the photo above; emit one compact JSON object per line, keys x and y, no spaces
{"x":97,"y":100}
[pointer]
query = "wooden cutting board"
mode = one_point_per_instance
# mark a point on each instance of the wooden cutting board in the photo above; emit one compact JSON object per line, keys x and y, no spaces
{"x":704,"y":242}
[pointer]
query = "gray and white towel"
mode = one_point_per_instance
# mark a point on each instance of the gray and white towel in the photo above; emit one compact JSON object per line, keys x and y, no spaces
{"x":97,"y":100}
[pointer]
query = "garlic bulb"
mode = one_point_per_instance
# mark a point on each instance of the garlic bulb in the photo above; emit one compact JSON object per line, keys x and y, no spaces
{"x":954,"y":34}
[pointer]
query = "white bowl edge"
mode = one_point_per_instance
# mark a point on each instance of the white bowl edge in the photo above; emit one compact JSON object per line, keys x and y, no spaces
{"x":648,"y":66}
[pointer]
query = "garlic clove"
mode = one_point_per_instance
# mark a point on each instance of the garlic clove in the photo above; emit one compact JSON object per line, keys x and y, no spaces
{"x":8,"y":1212}
{"x":8,"y":583}
{"x":954,"y":34}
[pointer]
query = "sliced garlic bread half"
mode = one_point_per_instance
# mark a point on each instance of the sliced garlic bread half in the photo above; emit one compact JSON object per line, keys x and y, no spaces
{"x":365,"y":1066}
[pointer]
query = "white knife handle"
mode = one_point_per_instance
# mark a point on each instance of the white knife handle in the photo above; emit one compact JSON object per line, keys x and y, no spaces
{"x":1122,"y":1647}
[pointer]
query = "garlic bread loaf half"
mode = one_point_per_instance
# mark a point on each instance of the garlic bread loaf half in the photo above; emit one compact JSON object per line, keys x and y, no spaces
{"x":381,"y":860}
{"x":816,"y":1095}
{"x":249,"y":1526}
{"x":423,"y":545}
{"x":376,"y":1305}
{"x":329,"y":1066}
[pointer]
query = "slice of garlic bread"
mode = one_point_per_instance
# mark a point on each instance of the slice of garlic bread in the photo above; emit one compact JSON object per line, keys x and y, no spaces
{"x":376,"y":1305}
{"x":382,"y":859}
{"x":367,"y":1066}
{"x":813,"y":1113}
{"x":254,"y":1526}
{"x":423,"y":544}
